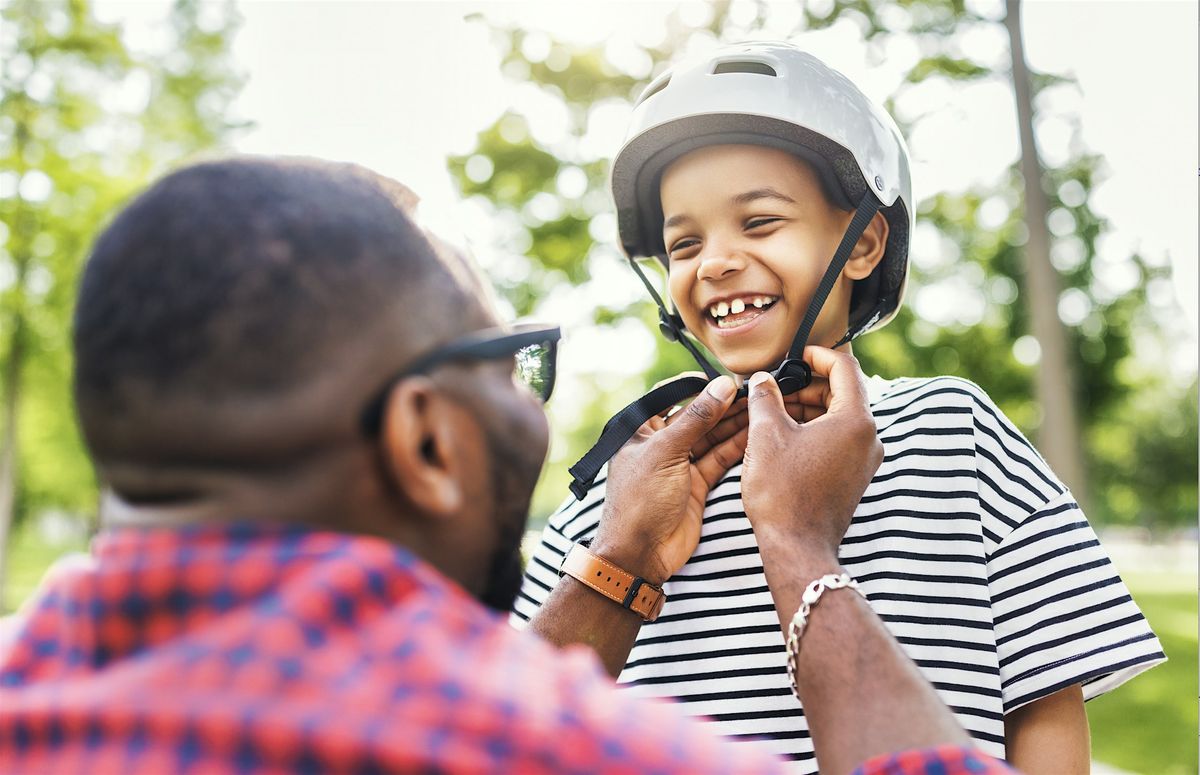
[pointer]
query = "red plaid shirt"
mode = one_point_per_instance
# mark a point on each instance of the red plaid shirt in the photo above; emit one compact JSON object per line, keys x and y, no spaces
{"x":254,"y":649}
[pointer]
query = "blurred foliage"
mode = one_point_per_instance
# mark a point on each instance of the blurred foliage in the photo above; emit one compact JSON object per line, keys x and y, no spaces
{"x":1139,"y":423}
{"x":85,"y":122}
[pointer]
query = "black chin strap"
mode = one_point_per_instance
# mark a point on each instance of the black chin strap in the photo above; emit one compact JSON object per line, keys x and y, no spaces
{"x":671,"y":329}
{"x":867,"y":207}
{"x":792,"y":375}
{"x":625,"y":423}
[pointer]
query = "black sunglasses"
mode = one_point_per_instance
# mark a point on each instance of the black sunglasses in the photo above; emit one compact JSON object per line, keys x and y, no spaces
{"x":533,"y":348}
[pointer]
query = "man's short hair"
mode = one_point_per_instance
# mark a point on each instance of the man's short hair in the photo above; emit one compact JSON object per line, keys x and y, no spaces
{"x":233,"y":280}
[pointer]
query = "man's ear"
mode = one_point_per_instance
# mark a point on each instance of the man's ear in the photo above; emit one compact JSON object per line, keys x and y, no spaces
{"x":424,"y":440}
{"x":869,"y":251}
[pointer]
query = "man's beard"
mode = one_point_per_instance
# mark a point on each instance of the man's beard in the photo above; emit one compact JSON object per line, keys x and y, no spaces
{"x":503,"y":581}
{"x":513,"y":479}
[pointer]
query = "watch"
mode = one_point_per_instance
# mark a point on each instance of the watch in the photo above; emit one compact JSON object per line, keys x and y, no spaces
{"x":623,"y":588}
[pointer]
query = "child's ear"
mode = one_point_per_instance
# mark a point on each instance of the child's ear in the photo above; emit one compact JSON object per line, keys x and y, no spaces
{"x":869,"y":251}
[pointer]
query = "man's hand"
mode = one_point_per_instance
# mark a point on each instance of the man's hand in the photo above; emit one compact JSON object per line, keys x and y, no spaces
{"x":653,"y":508}
{"x":736,"y":422}
{"x":654,"y":500}
{"x":805,"y":480}
{"x":800,"y":485}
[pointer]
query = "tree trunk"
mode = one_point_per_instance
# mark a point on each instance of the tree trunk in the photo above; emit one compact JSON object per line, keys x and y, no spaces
{"x":1058,"y":437}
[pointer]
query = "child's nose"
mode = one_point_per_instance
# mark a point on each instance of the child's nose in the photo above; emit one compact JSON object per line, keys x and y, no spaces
{"x":717,"y":261}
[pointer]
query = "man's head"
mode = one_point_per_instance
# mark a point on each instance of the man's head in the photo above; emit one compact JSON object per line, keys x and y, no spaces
{"x":748,"y":232}
{"x":232,"y":324}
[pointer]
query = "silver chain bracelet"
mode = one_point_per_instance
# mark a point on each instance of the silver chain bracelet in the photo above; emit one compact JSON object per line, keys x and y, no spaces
{"x":799,"y":623}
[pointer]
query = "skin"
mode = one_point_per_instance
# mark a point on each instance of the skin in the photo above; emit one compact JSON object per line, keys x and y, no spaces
{"x":1051,"y":735}
{"x":767,"y":229}
{"x":437,"y":481}
{"x":428,"y":482}
{"x":799,"y":528}
{"x":866,"y":695}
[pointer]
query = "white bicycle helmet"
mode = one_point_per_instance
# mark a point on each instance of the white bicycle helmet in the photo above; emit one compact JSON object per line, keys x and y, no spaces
{"x":771,"y":94}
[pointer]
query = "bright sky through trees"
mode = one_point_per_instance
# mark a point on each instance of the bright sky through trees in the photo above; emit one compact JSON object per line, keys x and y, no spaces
{"x":399,"y":86}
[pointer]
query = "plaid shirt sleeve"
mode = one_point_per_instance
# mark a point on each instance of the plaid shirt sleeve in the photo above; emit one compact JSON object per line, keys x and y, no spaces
{"x":943,"y":760}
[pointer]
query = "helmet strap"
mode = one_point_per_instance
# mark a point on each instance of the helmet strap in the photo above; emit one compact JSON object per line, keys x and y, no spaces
{"x":845,"y":338}
{"x":792,"y":375}
{"x":867,"y":207}
{"x":670,"y":325}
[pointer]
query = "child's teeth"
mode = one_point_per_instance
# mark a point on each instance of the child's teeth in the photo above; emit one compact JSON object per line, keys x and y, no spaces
{"x":736,"y":307}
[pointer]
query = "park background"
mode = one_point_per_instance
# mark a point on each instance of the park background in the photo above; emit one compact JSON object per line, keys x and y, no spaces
{"x":1055,"y":268}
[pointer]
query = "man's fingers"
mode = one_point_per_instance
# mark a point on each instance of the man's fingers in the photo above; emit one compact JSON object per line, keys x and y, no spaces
{"x":722,"y":457}
{"x":735,"y":419}
{"x":802,"y":412}
{"x":737,"y":407}
{"x":816,"y":393}
{"x":764,"y":400}
{"x":847,"y":386}
{"x":690,"y":424}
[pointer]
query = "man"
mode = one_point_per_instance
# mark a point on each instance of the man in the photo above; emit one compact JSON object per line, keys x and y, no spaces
{"x":304,"y":417}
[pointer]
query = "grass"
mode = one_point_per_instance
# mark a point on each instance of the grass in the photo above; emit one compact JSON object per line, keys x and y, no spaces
{"x":1148,"y":726}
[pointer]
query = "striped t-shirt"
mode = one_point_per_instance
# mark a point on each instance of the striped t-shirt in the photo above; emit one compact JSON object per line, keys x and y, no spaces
{"x":974,"y":554}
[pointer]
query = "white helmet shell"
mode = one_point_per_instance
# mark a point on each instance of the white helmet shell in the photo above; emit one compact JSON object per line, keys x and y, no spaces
{"x":771,"y":94}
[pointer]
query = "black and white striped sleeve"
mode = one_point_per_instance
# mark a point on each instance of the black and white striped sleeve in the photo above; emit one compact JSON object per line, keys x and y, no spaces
{"x":573,"y":521}
{"x":1061,"y":613}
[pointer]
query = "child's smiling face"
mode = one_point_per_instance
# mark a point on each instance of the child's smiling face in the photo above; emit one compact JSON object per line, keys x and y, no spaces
{"x":749,"y":233}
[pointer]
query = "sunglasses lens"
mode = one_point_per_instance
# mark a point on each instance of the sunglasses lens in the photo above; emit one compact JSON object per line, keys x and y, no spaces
{"x":535,"y":367}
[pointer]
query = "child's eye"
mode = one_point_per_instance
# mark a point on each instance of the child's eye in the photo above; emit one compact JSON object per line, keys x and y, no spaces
{"x":681,"y":246}
{"x":755,"y":223}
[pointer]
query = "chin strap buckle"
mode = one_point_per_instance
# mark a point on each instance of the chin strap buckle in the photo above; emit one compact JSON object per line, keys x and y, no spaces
{"x":668,"y":327}
{"x":792,"y":375}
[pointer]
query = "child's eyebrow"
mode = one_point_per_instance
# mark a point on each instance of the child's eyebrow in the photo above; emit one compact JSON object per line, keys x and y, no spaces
{"x":674,"y":220}
{"x":761,"y":193}
{"x":740,"y":199}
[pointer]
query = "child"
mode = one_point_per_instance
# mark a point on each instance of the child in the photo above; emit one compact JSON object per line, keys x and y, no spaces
{"x":741,"y":173}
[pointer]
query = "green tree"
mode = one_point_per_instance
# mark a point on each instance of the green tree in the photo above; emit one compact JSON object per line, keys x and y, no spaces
{"x":1087,"y":379}
{"x":84,"y":122}
{"x":560,"y":236}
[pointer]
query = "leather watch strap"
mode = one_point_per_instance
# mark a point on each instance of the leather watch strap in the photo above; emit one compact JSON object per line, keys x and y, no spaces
{"x":626,"y":590}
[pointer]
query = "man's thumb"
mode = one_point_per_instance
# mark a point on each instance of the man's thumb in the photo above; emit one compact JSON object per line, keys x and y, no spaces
{"x":764,"y":401}
{"x":703,"y":413}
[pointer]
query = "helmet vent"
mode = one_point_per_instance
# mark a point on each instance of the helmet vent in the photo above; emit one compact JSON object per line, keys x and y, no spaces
{"x":653,"y":89}
{"x":757,"y":68}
